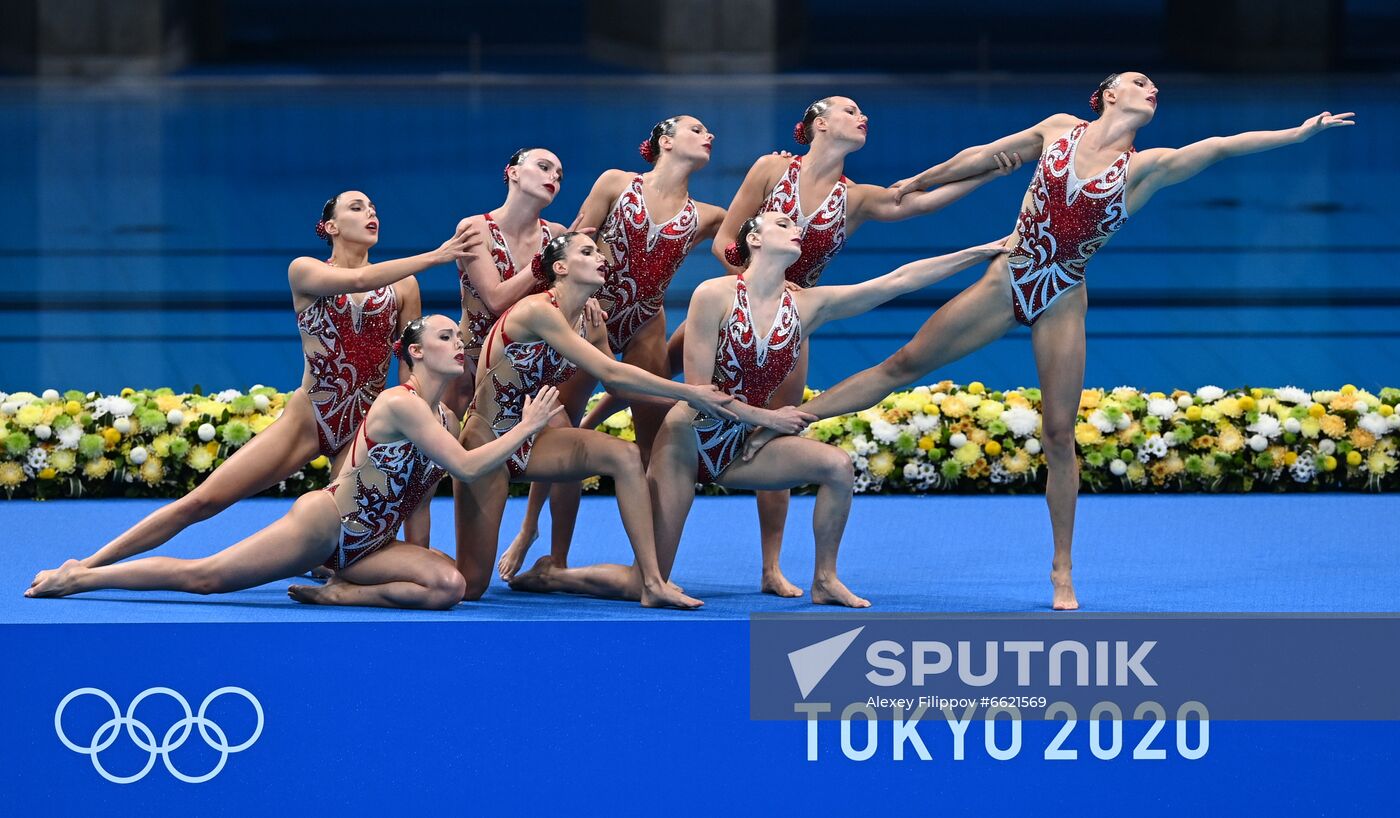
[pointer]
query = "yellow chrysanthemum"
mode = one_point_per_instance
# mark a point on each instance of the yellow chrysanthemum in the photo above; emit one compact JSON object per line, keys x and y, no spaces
{"x":1193,"y":413}
{"x":161,"y":445}
{"x":909,"y":403}
{"x":1362,"y":439}
{"x":29,"y":416}
{"x":1089,"y":398}
{"x":1246,"y":403}
{"x":1126,"y":435}
{"x":881,"y":464}
{"x":1017,"y":400}
{"x":201,"y":459}
{"x":1210,"y":414}
{"x":989,"y":410}
{"x":1348,"y":390}
{"x":320,"y":462}
{"x":1231,"y":440}
{"x":261,"y":422}
{"x":1310,"y":426}
{"x":1137,"y":472}
{"x":968,"y":454}
{"x":976,"y":388}
{"x":808,"y":393}
{"x":591,"y":483}
{"x":1329,"y":463}
{"x":1353,"y":458}
{"x":1173,"y":463}
{"x":1332,"y":426}
{"x":1386,"y":410}
{"x":98,"y":468}
{"x":1158,"y":472}
{"x":953,"y":406}
{"x":111,"y":437}
{"x":927,"y":443}
{"x":1290,"y":458}
{"x":167,"y":402}
{"x":73,"y":408}
{"x":1344,"y":403}
{"x":1210,"y":468}
{"x":978,"y":436}
{"x":63,"y":461}
{"x":1380,"y":463}
{"x":1317,"y":410}
{"x":629,"y":434}
{"x":977,"y":470}
{"x":1087,"y":434}
{"x":11,"y":474}
{"x":1018,"y":463}
{"x":1205,"y":442}
{"x":51,"y":413}
{"x":1229,"y":407}
{"x":47,"y":473}
{"x":153,"y":471}
{"x":992,"y":448}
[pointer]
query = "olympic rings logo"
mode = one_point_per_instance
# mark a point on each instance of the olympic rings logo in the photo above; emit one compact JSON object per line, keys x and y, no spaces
{"x":141,"y":734}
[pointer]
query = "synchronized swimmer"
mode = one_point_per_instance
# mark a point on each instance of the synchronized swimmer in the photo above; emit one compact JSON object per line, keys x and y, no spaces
{"x":497,"y":396}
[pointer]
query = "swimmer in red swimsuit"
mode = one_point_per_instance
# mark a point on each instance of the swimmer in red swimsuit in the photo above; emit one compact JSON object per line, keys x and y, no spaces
{"x":538,"y":341}
{"x":348,"y":311}
{"x":746,"y":337}
{"x":1087,"y":182}
{"x":643,"y":249}
{"x":404,"y":447}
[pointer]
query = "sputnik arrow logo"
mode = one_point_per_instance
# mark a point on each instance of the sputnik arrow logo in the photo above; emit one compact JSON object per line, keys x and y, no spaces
{"x":811,"y":664}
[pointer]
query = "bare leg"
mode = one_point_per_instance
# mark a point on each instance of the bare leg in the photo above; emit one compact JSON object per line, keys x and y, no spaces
{"x":306,"y":536}
{"x":974,"y":318}
{"x":611,"y":404}
{"x":288,"y":444}
{"x":478,"y":507}
{"x":399,"y":575}
{"x":773,"y":505}
{"x":1058,"y":339}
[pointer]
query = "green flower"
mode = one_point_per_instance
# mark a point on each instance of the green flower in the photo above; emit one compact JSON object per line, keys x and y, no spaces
{"x":1290,"y":438}
{"x":63,"y":422}
{"x":1128,"y":454}
{"x":1193,"y":464}
{"x":1390,"y":395}
{"x":17,"y":443}
{"x":1298,"y":412}
{"x":235,"y":433}
{"x":263,"y":390}
{"x":906,"y":443}
{"x":1152,"y":423}
{"x":91,"y":445}
{"x":1183,"y":433}
{"x":951,"y":469}
{"x":1264,"y":460}
{"x":164,"y":390}
{"x":73,"y":394}
{"x":152,"y":421}
{"x":179,"y":447}
{"x":1094,"y":458}
{"x":1031,"y":394}
{"x":1139,"y":439}
{"x":1137,"y":404}
{"x":996,"y":428}
{"x":242,"y":405}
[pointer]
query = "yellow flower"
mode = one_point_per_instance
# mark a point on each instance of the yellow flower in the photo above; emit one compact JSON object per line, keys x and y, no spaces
{"x":1016,"y":399}
{"x":1353,"y":458}
{"x":629,"y":434}
{"x":1332,"y":426}
{"x":1086,"y":434}
{"x":1348,"y":389}
{"x":1256,"y":392}
{"x":1310,"y":427}
{"x":1210,"y":414}
{"x":1329,"y":463}
{"x":591,"y":483}
{"x":927,"y":443}
{"x":1290,"y":458}
{"x":1018,"y":463}
{"x":968,"y":453}
{"x":321,"y":462}
{"x":881,"y":464}
{"x":976,"y":388}
{"x":808,"y":393}
{"x":1231,"y":440}
{"x":29,"y":416}
{"x":978,"y":469}
{"x":1344,"y":403}
{"x":201,"y":459}
{"x":1173,"y":463}
{"x":153,"y":471}
{"x":63,"y":460}
{"x":993,"y":448}
{"x":11,"y":474}
{"x":1246,"y":403}
{"x":128,"y":392}
{"x":47,"y":473}
{"x":73,"y":408}
{"x":161,"y":445}
{"x":930,"y":409}
{"x":1127,"y":435}
{"x":619,"y":420}
{"x":1157,"y":396}
{"x":1137,"y":472}
{"x":978,"y":436}
{"x":954,"y":406}
{"x":99,"y":468}
{"x":1193,"y":413}
{"x":1209,"y":467}
{"x":1089,"y":398}
{"x":1386,"y":410}
{"x":989,"y":411}
{"x":167,"y":402}
{"x":261,"y":422}
{"x":1229,"y":407}
{"x":1159,"y":473}
{"x":212,"y":447}
{"x":111,"y":437}
{"x":1317,"y":410}
{"x":1380,"y":463}
{"x":1362,"y":439}
{"x":1204,"y":442}
{"x":51,"y":412}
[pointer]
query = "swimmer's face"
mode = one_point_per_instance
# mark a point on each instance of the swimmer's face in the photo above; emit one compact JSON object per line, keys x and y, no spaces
{"x":844,"y":120}
{"x":1133,"y":93}
{"x":441,"y":347}
{"x":354,"y":219}
{"x":776,"y":235}
{"x":582,"y":262}
{"x":691,"y":141}
{"x":539,"y":174}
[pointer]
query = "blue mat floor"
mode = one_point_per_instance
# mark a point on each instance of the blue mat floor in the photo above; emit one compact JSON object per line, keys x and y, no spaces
{"x":1304,"y":553}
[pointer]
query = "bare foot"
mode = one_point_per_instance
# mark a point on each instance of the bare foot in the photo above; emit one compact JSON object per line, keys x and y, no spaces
{"x":321,"y":572}
{"x":665,"y":597}
{"x":1064,"y":599}
{"x":317,"y":594}
{"x":60,"y":581}
{"x":834,"y":592}
{"x":537,"y":580}
{"x":514,"y":557}
{"x":775,"y":583}
{"x":756,"y":441}
{"x":674,"y":587}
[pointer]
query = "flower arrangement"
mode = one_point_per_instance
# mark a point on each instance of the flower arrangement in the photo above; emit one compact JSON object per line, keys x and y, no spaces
{"x":941,"y":437}
{"x":149,"y":443}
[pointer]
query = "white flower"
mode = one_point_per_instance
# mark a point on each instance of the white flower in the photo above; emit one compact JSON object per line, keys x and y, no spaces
{"x":1021,"y":421}
{"x":1163,"y":408}
{"x":1124,"y":392}
{"x":1292,"y":394}
{"x":1325,"y":396}
{"x":1292,"y":426}
{"x":23,"y":398}
{"x":1393,"y":422}
{"x":228,"y":395}
{"x":1169,"y":438}
{"x":117,"y":406}
{"x":138,"y":455}
{"x":51,"y":394}
{"x":43,"y":431}
{"x":9,"y":407}
{"x":1101,"y":422}
{"x":972,"y":401}
{"x":174,"y":417}
{"x":921,"y":391}
{"x":1033,"y":446}
{"x":1124,"y":421}
{"x":4,"y":396}
{"x":1184,"y":401}
{"x":862,"y":484}
{"x":1118,"y":467}
{"x":37,"y":459}
{"x":260,"y":402}
{"x":999,"y":473}
{"x":1157,"y":445}
{"x":881,"y":430}
{"x":1266,"y":425}
{"x":122,"y":425}
{"x":1327,"y":446}
{"x":69,"y":436}
{"x":924,"y":423}
{"x":206,"y":432}
{"x":1258,"y":443}
{"x":957,"y":440}
{"x":911,"y":471}
{"x":937,"y":398}
{"x":1371,"y":422}
{"x":1210,"y":393}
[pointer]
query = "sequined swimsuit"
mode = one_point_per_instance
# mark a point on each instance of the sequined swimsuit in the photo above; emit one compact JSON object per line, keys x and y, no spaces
{"x":1067,"y":221}
{"x":823,"y":232}
{"x":645,"y":257}
{"x":523,"y":368}
{"x":477,"y":318}
{"x":370,"y":515}
{"x":349,"y":360}
{"x":749,"y":368}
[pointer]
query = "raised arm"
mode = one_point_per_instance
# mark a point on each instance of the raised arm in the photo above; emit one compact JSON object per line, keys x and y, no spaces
{"x":823,"y":304}
{"x":883,"y":204}
{"x":711,"y":217}
{"x":481,"y":271}
{"x":415,"y":421}
{"x":600,"y":199}
{"x":746,"y":202}
{"x":1157,"y":168}
{"x":313,"y":277}
{"x":979,"y":159}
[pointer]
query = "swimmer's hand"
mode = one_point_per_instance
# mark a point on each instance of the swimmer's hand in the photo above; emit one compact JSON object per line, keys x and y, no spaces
{"x":538,"y":410}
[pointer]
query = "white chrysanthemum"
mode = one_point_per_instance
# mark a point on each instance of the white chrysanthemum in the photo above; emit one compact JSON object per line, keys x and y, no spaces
{"x":4,"y":396}
{"x":43,"y":431}
{"x":1325,"y":396}
{"x":260,"y":402}
{"x":1021,"y":421}
{"x":9,"y":407}
{"x":937,"y":398}
{"x":122,"y":425}
{"x":1373,"y":423}
{"x":957,"y":440}
{"x":114,"y":405}
{"x":1033,"y":446}
{"x":228,"y":395}
{"x":138,"y":455}
{"x":1327,"y":446}
{"x":972,"y":401}
{"x":911,"y":471}
{"x":1163,"y":408}
{"x":1292,"y":425}
{"x":37,"y":458}
{"x":174,"y":417}
{"x":1101,"y":422}
{"x":1292,"y":394}
{"x":1118,"y":467}
{"x":1184,"y":401}
{"x":1157,"y":445}
{"x":1210,"y":393}
{"x":206,"y":432}
{"x":862,"y":483}
{"x":1124,"y":392}
{"x":883,"y":431}
{"x":1266,"y":425}
{"x":23,"y":398}
{"x":51,"y":394}
{"x":921,"y":391}
{"x":1258,"y":443}
{"x":1393,"y":422}
{"x":1304,"y":468}
{"x":69,"y":436}
{"x":924,"y":423}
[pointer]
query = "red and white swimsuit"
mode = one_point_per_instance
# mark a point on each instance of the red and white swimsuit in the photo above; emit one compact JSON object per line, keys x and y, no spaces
{"x":349,"y":361}
{"x":373,"y":519}
{"x":645,"y":257}
{"x":477,"y":318}
{"x":523,"y":369}
{"x":823,"y":232}
{"x":1067,"y":221}
{"x":750,"y":368}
